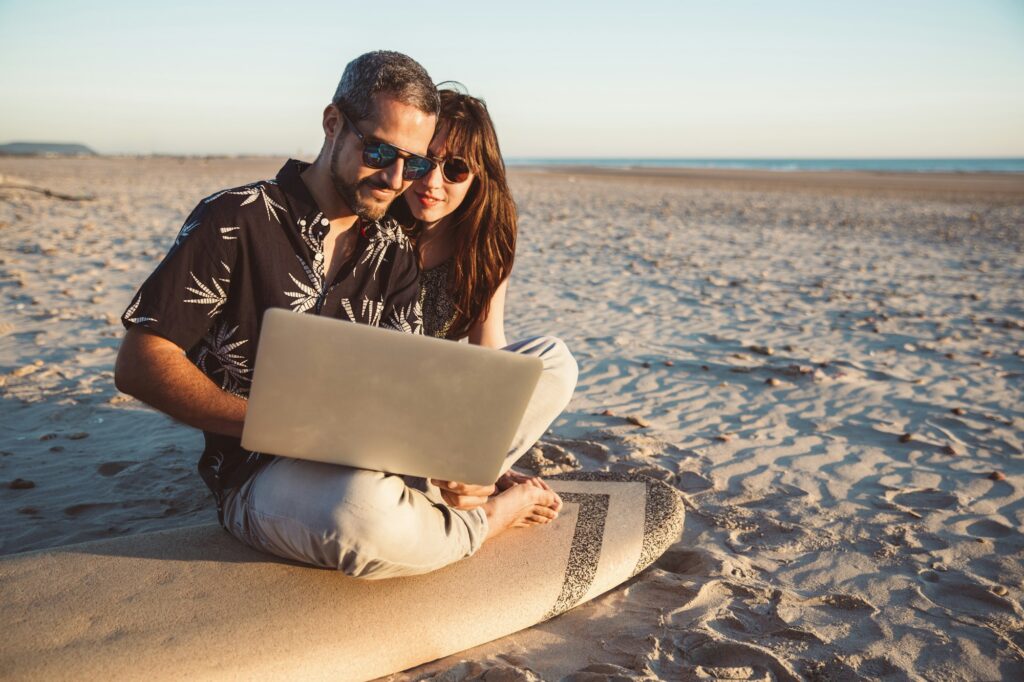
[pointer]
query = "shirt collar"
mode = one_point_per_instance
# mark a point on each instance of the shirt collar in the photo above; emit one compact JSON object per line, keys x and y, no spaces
{"x":289,"y":179}
{"x":304,"y":206}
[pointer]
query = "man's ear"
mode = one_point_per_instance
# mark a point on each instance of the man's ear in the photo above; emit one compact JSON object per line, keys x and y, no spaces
{"x":333,"y":122}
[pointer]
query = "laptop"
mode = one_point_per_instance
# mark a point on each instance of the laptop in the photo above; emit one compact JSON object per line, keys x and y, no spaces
{"x":333,"y":391}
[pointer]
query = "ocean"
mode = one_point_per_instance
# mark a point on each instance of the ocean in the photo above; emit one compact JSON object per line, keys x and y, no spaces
{"x":990,"y":165}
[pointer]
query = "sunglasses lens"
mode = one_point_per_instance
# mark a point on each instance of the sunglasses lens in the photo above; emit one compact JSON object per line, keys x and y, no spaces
{"x":456,"y":170}
{"x":416,"y":167}
{"x":380,"y":155}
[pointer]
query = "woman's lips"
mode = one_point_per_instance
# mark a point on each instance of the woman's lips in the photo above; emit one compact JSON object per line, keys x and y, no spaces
{"x":427,"y":201}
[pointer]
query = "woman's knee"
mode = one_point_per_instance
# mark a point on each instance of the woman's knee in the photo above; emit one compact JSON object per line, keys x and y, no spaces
{"x":560,"y":366}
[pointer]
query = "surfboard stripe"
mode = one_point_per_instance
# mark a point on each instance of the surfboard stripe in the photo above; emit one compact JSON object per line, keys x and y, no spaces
{"x":663,"y":522}
{"x":585,"y":551}
{"x":663,"y":511}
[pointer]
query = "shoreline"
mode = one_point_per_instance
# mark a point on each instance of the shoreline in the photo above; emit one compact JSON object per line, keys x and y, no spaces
{"x":1003,"y":188}
{"x":993,"y":187}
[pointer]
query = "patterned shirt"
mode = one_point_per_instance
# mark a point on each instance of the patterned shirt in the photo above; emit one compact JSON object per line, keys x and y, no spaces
{"x":244,"y":250}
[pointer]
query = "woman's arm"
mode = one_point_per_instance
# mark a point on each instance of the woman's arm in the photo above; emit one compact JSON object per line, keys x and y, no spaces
{"x":490,"y":331}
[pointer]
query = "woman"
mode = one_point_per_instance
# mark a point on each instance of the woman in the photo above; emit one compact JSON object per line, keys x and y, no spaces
{"x":463,"y":221}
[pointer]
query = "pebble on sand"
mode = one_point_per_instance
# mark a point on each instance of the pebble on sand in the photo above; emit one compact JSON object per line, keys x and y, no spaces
{"x":645,"y":364}
{"x":953,"y":449}
{"x":906,"y":438}
{"x":639,"y":421}
{"x":669,"y":363}
{"x":959,"y":411}
{"x":773,"y":382}
{"x":762,"y":350}
{"x":606,"y":413}
{"x":997,"y":476}
{"x":78,"y":436}
{"x":724,"y":437}
{"x":1000,"y":590}
{"x":21,"y":484}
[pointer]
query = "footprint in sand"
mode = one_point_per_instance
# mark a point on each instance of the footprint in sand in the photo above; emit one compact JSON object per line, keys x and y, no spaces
{"x":928,"y":499}
{"x":683,"y":562}
{"x":769,"y":534}
{"x":957,"y":592}
{"x":113,"y":468}
{"x":692,"y":482}
{"x":77,"y":510}
{"x":988,"y":528}
{"x":725,"y":660}
{"x":844,"y":602}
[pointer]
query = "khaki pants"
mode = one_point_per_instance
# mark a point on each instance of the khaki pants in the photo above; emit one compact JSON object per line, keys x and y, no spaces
{"x":369,"y":524}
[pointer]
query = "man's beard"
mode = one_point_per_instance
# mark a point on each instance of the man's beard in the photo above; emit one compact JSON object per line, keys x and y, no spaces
{"x":349,"y":192}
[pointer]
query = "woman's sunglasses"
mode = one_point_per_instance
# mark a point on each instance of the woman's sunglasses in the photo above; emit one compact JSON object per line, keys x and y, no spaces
{"x":379,"y":155}
{"x":454,"y":169}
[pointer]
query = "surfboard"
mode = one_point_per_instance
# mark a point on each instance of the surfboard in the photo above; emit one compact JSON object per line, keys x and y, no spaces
{"x":195,"y":603}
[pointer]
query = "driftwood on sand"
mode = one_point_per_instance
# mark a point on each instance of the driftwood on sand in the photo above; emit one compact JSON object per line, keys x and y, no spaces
{"x":49,"y":192}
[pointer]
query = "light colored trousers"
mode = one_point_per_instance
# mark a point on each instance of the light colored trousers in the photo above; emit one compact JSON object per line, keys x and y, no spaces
{"x":369,"y":524}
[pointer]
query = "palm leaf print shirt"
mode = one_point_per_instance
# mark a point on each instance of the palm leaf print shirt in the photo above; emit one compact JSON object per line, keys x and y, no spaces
{"x":247,"y":249}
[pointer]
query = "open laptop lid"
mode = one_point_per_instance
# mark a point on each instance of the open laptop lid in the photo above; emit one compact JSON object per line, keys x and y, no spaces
{"x":334,"y":391}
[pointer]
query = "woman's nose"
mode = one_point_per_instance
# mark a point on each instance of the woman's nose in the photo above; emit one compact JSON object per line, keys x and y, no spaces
{"x":434,"y":179}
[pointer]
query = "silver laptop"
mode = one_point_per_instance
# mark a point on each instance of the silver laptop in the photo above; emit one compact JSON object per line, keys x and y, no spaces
{"x":345,"y":393}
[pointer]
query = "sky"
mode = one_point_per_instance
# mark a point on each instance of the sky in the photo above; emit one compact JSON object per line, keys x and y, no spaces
{"x":683,"y":79}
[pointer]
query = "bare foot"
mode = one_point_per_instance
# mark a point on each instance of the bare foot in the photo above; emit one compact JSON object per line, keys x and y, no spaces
{"x":519,"y":506}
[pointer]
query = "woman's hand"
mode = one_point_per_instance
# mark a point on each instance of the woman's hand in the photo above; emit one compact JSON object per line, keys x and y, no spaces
{"x":464,"y":495}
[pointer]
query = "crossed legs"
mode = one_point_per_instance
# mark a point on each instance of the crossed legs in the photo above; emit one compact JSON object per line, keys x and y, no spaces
{"x":374,"y":525}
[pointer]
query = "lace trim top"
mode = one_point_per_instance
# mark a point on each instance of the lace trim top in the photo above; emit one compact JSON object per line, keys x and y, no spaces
{"x":439,"y":310}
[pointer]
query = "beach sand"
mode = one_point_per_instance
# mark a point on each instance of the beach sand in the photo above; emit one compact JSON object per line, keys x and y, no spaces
{"x":827,"y":366}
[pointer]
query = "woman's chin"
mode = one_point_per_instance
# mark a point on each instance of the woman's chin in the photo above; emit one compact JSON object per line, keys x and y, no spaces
{"x":419,"y":214}
{"x":428,"y":217}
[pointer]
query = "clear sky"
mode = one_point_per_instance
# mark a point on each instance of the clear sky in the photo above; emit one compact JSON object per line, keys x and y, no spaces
{"x":630,"y":78}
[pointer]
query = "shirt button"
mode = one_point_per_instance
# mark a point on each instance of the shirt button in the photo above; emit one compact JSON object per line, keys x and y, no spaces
{"x":325,"y":222}
{"x":318,"y":257}
{"x":302,"y":222}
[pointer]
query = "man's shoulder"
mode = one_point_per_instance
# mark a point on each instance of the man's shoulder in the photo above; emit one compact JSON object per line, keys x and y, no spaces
{"x":260,"y":199}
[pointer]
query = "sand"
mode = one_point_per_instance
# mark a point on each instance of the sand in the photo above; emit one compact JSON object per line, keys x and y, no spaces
{"x":829,"y":369}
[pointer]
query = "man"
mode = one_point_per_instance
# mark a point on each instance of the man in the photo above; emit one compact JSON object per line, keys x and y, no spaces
{"x":315,"y":240}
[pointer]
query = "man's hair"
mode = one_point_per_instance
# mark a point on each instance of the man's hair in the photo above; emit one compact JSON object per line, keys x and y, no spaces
{"x":387,"y":72}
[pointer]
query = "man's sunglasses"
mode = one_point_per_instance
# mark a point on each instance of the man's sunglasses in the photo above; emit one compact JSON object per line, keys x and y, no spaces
{"x":379,"y":155}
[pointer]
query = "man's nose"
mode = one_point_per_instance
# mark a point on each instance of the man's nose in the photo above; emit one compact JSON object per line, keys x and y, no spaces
{"x":393,"y":174}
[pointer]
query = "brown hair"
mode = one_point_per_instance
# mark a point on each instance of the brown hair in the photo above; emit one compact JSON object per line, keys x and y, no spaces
{"x":485,"y":222}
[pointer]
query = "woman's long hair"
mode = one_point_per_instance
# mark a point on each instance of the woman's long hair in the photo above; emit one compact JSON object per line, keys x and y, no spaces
{"x":485,"y":222}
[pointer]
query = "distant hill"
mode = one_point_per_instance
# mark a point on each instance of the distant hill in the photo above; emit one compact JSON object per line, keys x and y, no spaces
{"x":45,"y":149}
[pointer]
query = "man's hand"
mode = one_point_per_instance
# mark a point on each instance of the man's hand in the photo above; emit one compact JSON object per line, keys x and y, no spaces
{"x":511,"y":478}
{"x":463,"y":495}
